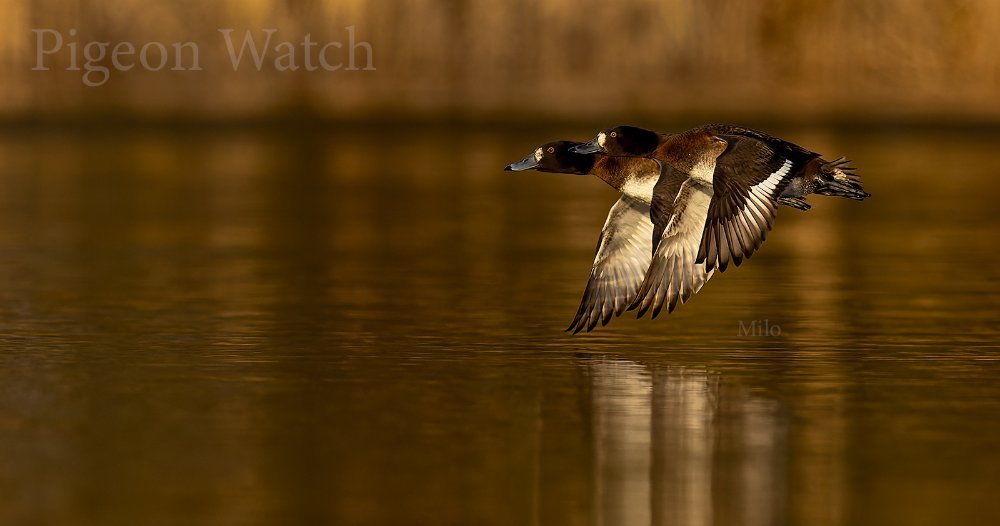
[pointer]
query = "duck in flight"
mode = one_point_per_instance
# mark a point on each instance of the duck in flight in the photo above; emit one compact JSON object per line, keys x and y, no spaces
{"x":625,"y":246}
{"x":691,"y":204}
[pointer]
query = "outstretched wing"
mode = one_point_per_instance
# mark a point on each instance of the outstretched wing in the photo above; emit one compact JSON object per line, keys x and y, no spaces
{"x":674,"y":274}
{"x":748,"y":179}
{"x":623,"y":253}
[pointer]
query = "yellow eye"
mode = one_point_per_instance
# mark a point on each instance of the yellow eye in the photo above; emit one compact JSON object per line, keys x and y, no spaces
{"x":614,"y":134}
{"x":550,"y":149}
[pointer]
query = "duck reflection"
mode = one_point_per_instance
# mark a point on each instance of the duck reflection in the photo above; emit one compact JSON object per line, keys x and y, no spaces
{"x":677,"y":445}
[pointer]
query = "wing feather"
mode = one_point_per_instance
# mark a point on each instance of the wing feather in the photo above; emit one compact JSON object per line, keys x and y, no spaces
{"x":748,"y":179}
{"x":624,"y":251}
{"x":674,"y":275}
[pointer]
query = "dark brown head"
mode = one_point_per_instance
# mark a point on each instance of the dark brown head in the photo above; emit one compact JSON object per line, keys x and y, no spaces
{"x":556,"y":157}
{"x":622,"y":140}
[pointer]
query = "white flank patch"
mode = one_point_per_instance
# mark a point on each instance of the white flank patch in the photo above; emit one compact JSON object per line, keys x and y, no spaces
{"x":696,"y":214}
{"x":640,"y":187}
{"x":704,"y":171}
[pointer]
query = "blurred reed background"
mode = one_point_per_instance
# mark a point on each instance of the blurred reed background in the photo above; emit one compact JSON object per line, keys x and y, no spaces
{"x":578,"y":60}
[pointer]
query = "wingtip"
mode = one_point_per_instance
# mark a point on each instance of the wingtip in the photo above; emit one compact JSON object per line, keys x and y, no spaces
{"x":576,"y":325}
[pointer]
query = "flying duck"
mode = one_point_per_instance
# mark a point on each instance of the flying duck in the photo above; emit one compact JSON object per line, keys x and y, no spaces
{"x":711,"y":196}
{"x":625,"y":246}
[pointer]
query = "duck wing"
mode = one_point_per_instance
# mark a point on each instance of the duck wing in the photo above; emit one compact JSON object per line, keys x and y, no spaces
{"x":623,"y":254}
{"x":789,"y":149}
{"x":749,"y":177}
{"x":679,"y":216}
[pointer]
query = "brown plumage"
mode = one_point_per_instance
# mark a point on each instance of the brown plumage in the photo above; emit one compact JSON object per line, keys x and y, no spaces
{"x":744,"y":173}
{"x":692,"y":203}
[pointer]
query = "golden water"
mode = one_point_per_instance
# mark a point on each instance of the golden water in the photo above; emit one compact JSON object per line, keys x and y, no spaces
{"x":366,"y":328}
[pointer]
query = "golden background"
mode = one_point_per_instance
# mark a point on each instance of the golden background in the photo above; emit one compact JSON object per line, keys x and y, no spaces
{"x":579,"y":60}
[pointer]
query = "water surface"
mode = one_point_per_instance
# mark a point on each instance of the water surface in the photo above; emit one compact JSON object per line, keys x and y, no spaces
{"x":366,"y":328}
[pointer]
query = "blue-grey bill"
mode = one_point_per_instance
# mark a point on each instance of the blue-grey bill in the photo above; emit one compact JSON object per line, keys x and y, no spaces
{"x":527,"y":163}
{"x":587,"y":147}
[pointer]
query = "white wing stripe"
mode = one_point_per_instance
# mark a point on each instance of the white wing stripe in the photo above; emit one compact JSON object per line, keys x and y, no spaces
{"x":763,"y":192}
{"x":772,"y":180}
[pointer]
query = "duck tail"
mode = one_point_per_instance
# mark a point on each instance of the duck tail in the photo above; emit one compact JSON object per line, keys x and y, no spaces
{"x":837,"y":178}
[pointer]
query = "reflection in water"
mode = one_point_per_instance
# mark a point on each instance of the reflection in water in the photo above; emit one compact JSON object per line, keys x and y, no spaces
{"x":622,"y":433}
{"x":678,"y":446}
{"x":685,"y":409}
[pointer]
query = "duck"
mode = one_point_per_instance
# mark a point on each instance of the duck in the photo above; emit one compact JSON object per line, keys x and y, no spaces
{"x":625,"y":246}
{"x":690,"y":204}
{"x":716,"y":198}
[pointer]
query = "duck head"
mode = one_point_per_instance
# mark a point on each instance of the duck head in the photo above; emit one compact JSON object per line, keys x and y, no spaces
{"x":556,"y":157}
{"x":621,"y":140}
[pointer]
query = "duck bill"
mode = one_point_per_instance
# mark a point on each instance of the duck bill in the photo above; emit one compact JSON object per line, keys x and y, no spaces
{"x":528,"y":163}
{"x":594,"y":146}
